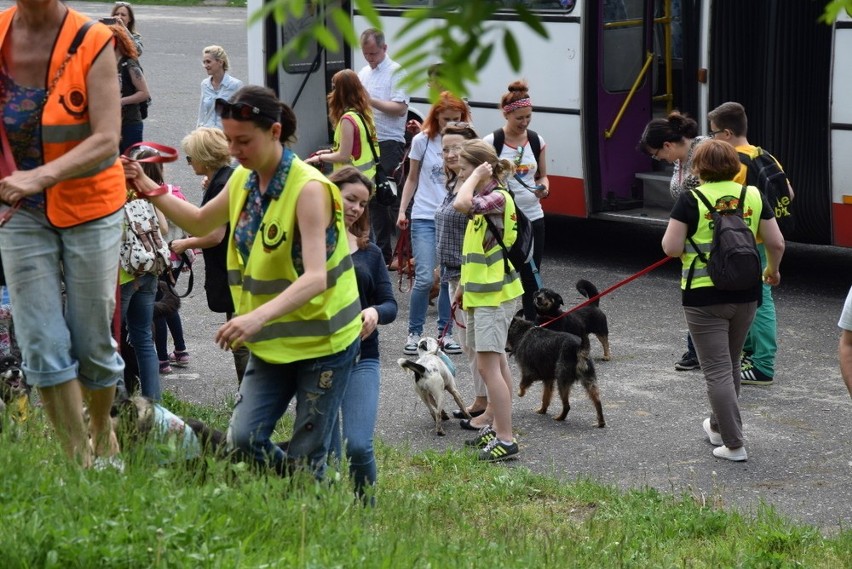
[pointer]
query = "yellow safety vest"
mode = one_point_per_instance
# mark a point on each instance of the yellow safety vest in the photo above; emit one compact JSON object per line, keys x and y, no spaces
{"x":364,"y":162}
{"x":483,"y":276}
{"x":326,"y":324}
{"x":724,"y":195}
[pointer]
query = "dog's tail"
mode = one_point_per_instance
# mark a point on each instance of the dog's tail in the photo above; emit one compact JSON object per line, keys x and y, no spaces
{"x":419,"y":370}
{"x":588,"y":290}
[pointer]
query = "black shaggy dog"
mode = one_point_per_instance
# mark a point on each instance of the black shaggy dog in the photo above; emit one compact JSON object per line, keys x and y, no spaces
{"x":588,"y":320}
{"x":552,"y":357}
{"x":14,"y":391}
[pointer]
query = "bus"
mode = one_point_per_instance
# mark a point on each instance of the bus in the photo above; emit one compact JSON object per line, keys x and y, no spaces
{"x":607,"y":68}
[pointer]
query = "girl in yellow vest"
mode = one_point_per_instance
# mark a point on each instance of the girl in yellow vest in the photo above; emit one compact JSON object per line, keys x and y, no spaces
{"x":719,"y":320}
{"x":349,"y":110}
{"x":487,"y":292}
{"x":291,"y":277}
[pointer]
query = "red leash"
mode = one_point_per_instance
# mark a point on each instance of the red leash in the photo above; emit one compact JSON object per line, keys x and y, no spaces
{"x":619,"y":284}
{"x":402,"y":254}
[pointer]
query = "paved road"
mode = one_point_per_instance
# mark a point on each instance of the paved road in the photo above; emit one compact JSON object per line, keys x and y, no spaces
{"x":798,"y":430}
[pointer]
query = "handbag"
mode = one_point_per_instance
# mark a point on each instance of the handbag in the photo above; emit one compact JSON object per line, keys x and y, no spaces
{"x":386,"y":188}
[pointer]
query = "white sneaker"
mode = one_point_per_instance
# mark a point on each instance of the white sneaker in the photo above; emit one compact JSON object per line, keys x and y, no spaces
{"x":737,"y":455}
{"x":715,"y":438}
{"x":410,"y":348}
{"x":451,"y":346}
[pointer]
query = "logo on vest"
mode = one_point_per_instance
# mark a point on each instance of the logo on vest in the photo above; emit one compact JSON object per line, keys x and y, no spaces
{"x":272,"y":235}
{"x":730,"y":203}
{"x":74,"y":101}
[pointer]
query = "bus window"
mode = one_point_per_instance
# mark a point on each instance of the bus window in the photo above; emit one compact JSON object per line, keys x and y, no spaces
{"x":295,"y":62}
{"x":623,"y":43}
{"x":564,"y":6}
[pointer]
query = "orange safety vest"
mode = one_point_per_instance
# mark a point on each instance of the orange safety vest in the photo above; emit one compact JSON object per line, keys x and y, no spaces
{"x":100,"y":191}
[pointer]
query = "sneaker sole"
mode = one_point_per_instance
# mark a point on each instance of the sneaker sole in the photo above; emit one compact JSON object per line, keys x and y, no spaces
{"x":679,"y":367}
{"x":490,"y":458}
{"x":409,"y":352}
{"x":453,"y":352}
{"x":757,"y":382}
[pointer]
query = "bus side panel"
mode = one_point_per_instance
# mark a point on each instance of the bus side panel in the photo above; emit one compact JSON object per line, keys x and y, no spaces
{"x":552,"y":68}
{"x":841,"y":133}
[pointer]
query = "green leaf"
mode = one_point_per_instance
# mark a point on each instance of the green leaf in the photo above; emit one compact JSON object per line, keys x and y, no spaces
{"x":512,"y":51}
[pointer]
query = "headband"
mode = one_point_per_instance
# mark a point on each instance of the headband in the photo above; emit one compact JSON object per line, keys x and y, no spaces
{"x":519,"y":104}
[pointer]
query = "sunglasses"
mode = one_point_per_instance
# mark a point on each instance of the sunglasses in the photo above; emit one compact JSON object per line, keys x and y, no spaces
{"x":239,"y":111}
{"x":189,"y":160}
{"x":124,"y":4}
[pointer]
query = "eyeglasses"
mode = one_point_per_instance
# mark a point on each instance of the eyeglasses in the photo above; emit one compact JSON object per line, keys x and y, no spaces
{"x":713,"y":133}
{"x":459,"y":124}
{"x":189,"y":160}
{"x":455,"y":148}
{"x":656,"y":152}
{"x":239,"y":111}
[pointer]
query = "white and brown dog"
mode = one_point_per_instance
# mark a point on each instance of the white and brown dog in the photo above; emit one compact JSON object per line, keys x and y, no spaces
{"x":432,"y":377}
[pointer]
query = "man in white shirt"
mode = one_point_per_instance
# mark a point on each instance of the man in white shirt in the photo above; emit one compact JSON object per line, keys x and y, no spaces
{"x":381,"y":78}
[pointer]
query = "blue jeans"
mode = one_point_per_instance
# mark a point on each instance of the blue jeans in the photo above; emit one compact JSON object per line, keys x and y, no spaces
{"x":423,"y":250}
{"x":131,"y":133}
{"x":137,"y":312}
{"x":61,"y":341}
{"x":358,"y":417}
{"x":265,"y":393}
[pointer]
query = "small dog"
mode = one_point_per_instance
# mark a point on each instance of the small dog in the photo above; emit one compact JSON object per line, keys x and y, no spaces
{"x":14,"y":391}
{"x":431,"y":378}
{"x":552,"y":357}
{"x":588,"y":320}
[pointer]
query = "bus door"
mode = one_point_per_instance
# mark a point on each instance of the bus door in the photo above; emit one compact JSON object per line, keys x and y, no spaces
{"x":617,"y":104}
{"x":300,"y":80}
{"x":841,"y":131}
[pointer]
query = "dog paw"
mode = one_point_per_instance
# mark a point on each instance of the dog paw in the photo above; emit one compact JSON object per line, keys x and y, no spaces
{"x":601,"y":425}
{"x":440,"y":433}
{"x":542,"y":411}
{"x":560,"y":417}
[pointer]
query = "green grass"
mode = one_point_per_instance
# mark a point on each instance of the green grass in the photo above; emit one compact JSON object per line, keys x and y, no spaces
{"x":433,"y":510}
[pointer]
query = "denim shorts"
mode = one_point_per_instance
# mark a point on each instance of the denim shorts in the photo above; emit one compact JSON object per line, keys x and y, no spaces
{"x":70,"y":338}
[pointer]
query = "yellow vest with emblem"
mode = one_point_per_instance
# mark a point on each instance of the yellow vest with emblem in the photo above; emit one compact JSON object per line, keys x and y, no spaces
{"x":364,"y":162}
{"x":326,"y":324}
{"x":724,"y":195}
{"x":483,"y":275}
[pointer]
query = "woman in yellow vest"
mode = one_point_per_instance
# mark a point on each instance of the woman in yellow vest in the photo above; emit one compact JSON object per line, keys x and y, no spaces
{"x":354,"y":131}
{"x":486,"y":292}
{"x":291,"y":278}
{"x":63,"y":131}
{"x":719,"y":320}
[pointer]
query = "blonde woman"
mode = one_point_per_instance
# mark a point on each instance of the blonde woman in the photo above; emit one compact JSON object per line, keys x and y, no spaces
{"x":487,"y":293}
{"x":217,"y":85}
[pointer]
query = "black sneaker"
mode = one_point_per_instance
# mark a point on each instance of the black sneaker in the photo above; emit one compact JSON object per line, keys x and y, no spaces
{"x":498,"y":450}
{"x":485,"y":436}
{"x":753,"y":376}
{"x":688,"y":362}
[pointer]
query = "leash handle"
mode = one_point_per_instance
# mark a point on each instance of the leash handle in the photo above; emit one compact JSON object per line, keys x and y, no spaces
{"x":164,"y":153}
{"x":402,"y":254}
{"x":619,"y":284}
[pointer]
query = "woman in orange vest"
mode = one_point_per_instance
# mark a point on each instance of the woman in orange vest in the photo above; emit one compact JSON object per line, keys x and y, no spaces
{"x":59,"y":115}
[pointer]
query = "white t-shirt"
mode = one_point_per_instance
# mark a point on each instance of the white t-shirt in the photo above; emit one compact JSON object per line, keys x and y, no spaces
{"x":526,"y":167}
{"x":383,"y":83}
{"x":431,"y":186}
{"x":846,"y":316}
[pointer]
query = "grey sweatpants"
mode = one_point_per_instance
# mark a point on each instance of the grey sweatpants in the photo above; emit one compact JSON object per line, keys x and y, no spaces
{"x":719,"y":332}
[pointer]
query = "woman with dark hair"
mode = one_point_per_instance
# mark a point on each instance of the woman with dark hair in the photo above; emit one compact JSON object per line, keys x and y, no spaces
{"x":123,"y":11}
{"x":719,"y":319}
{"x":486,"y":292}
{"x":292,"y":282}
{"x":207,"y":154}
{"x":425,"y":187}
{"x":354,"y":131}
{"x":134,"y":89}
{"x":378,"y":306}
{"x":674,"y":139}
{"x":450,"y":226}
{"x":529,"y":184}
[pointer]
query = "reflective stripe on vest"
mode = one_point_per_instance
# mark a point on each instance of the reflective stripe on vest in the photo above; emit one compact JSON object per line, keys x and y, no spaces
{"x":326,"y":324}
{"x":703,"y":236}
{"x":483,"y":276}
{"x":100,"y":190}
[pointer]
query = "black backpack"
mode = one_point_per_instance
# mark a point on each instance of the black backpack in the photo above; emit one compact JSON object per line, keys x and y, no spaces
{"x":535,"y":142}
{"x":734,"y":263}
{"x":521,"y":250}
{"x":765,"y":174}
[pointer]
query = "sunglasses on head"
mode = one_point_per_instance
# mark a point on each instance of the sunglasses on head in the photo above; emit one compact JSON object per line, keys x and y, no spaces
{"x":239,"y":111}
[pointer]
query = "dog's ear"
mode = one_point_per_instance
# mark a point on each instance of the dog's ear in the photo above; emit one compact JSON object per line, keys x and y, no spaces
{"x":559,"y":301}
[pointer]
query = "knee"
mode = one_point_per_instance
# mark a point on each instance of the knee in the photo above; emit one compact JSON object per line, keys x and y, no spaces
{"x":359,"y":452}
